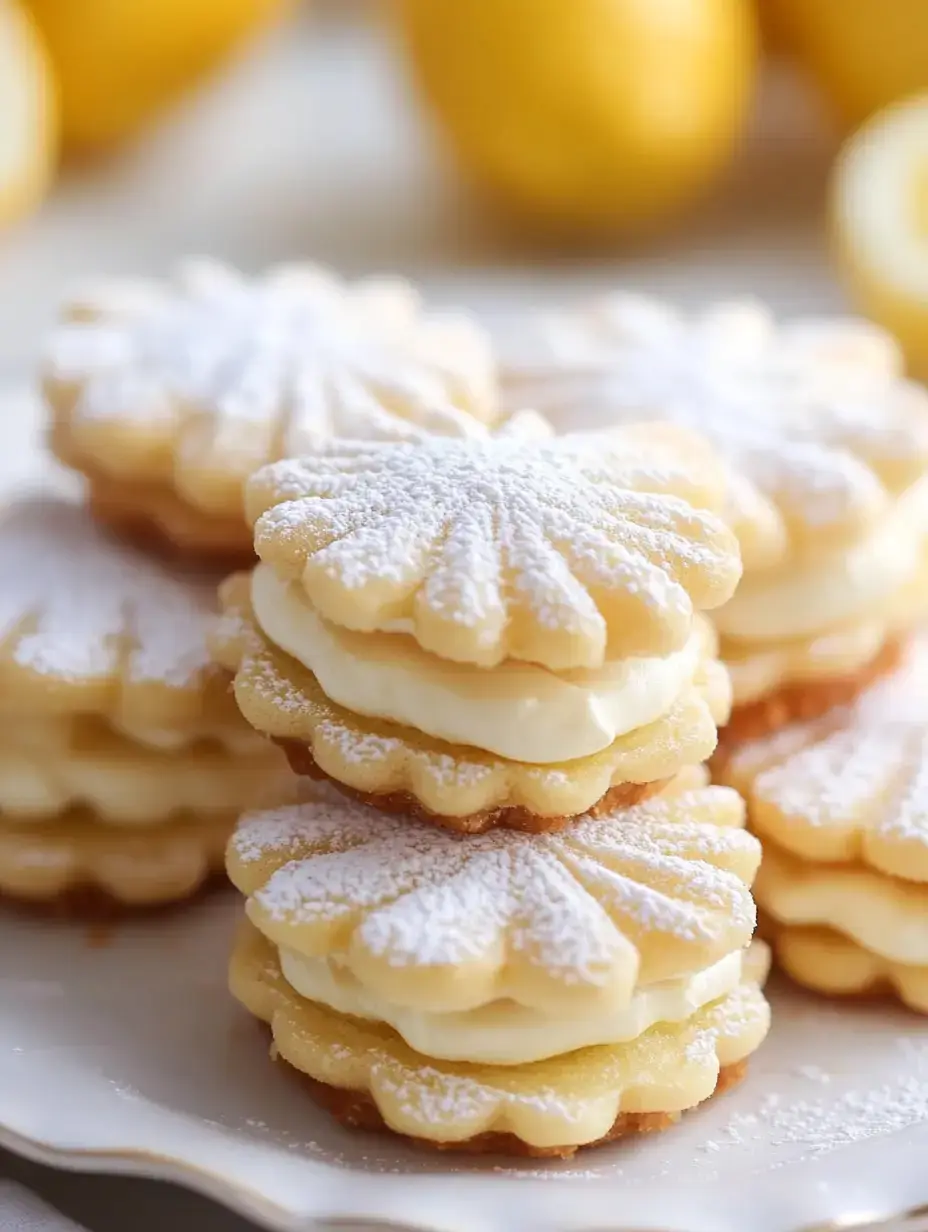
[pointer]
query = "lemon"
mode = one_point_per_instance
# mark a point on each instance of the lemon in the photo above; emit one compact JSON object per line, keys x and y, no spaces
{"x":879,"y":209}
{"x":865,"y":54}
{"x":586,"y":114}
{"x":118,"y":62}
{"x":27,"y":114}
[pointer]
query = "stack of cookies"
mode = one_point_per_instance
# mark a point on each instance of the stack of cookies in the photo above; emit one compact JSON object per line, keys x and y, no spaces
{"x":827,"y":449}
{"x":508,"y":915}
{"x":167,"y":396}
{"x":841,"y":804}
{"x":124,"y":761}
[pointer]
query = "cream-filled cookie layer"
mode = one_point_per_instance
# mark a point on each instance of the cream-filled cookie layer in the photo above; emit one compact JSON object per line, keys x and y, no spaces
{"x":517,"y":710}
{"x":885,"y":915}
{"x":504,"y":1032}
{"x":50,"y":765}
{"x":809,"y":598}
{"x":171,"y":739}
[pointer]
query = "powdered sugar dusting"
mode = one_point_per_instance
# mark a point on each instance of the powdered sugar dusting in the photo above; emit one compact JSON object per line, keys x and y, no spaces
{"x":509,"y":544}
{"x":814,"y":415}
{"x":857,"y":778}
{"x":246,"y":371}
{"x":565,"y":903}
{"x":77,"y":606}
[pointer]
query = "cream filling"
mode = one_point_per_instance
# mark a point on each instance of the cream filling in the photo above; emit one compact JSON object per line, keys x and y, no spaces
{"x":848,"y":586}
{"x":505,"y":1032}
{"x":173,"y":739}
{"x":125,"y":791}
{"x":519,"y":711}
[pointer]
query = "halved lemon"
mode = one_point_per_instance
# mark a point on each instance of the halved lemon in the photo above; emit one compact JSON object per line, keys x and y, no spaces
{"x":879,"y":209}
{"x":27,"y":114}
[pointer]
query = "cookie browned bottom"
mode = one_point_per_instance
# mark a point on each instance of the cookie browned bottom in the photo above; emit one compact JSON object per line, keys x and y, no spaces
{"x":89,"y":904}
{"x":798,"y":703}
{"x":357,"y":1110}
{"x":511,"y":817}
{"x":158,"y":521}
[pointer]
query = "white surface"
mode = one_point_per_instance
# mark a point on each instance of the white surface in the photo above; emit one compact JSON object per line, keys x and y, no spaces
{"x":22,"y":1211}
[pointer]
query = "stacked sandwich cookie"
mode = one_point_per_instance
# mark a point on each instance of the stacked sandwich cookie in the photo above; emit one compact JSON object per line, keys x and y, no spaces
{"x":841,"y":805}
{"x":827,"y":447}
{"x":496,"y":631}
{"x":168,"y":395}
{"x":511,"y":919}
{"x":123,"y":760}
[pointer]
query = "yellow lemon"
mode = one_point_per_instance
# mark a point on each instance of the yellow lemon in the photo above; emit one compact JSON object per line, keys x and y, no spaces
{"x":586,"y":114}
{"x":880,"y":220}
{"x":118,"y":62}
{"x":865,"y":54}
{"x":27,"y":114}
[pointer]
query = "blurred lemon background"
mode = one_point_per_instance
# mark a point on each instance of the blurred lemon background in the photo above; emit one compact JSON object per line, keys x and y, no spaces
{"x":489,"y":147}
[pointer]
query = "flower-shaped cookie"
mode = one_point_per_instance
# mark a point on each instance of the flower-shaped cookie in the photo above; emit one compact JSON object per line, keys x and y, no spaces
{"x":850,"y":787}
{"x":193,"y":385}
{"x":833,"y":964}
{"x":465,"y":788}
{"x":87,"y":625}
{"x":561,"y":552}
{"x":369,"y":1078}
{"x":819,"y":430}
{"x":84,"y":867}
{"x":563,"y":923}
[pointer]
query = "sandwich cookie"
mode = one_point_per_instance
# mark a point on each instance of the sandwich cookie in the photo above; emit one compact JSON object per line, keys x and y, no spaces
{"x":827,"y":450}
{"x":168,"y":395}
{"x":522,"y":993}
{"x":841,"y":806}
{"x":123,"y":759}
{"x":502,"y":630}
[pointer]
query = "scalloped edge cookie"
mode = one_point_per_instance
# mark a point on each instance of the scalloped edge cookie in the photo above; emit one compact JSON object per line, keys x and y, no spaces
{"x":366,"y":1076}
{"x":77,"y":865}
{"x":834,"y":965}
{"x":450,"y":785}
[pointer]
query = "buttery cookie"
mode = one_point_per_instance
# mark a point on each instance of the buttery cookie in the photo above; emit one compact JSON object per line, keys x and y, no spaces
{"x":123,"y":759}
{"x":577,"y":974}
{"x":827,"y":449}
{"x":168,"y":395}
{"x":841,"y":805}
{"x":489,"y":631}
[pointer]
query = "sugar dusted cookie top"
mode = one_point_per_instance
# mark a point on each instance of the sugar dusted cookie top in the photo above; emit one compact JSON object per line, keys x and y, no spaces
{"x":853,"y":786}
{"x":89,"y":625}
{"x":445,"y":921}
{"x":817,"y":424}
{"x":559,"y":551}
{"x":199,"y":381}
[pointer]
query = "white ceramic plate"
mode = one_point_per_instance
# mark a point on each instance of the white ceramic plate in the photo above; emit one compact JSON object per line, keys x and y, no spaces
{"x":124,"y":1053}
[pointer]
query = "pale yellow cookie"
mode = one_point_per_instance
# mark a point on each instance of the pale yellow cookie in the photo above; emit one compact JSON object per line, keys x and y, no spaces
{"x":75,"y":863}
{"x":502,"y":630}
{"x":561,"y":552}
{"x":549,"y":1107}
{"x":827,"y":451}
{"x":885,"y":915}
{"x":505,"y":948}
{"x":849,"y":787}
{"x":87,"y":626}
{"x":819,"y":428}
{"x":168,"y":395}
{"x":458,"y":786}
{"x":51,"y":764}
{"x":830,"y":963}
{"x":119,"y":739}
